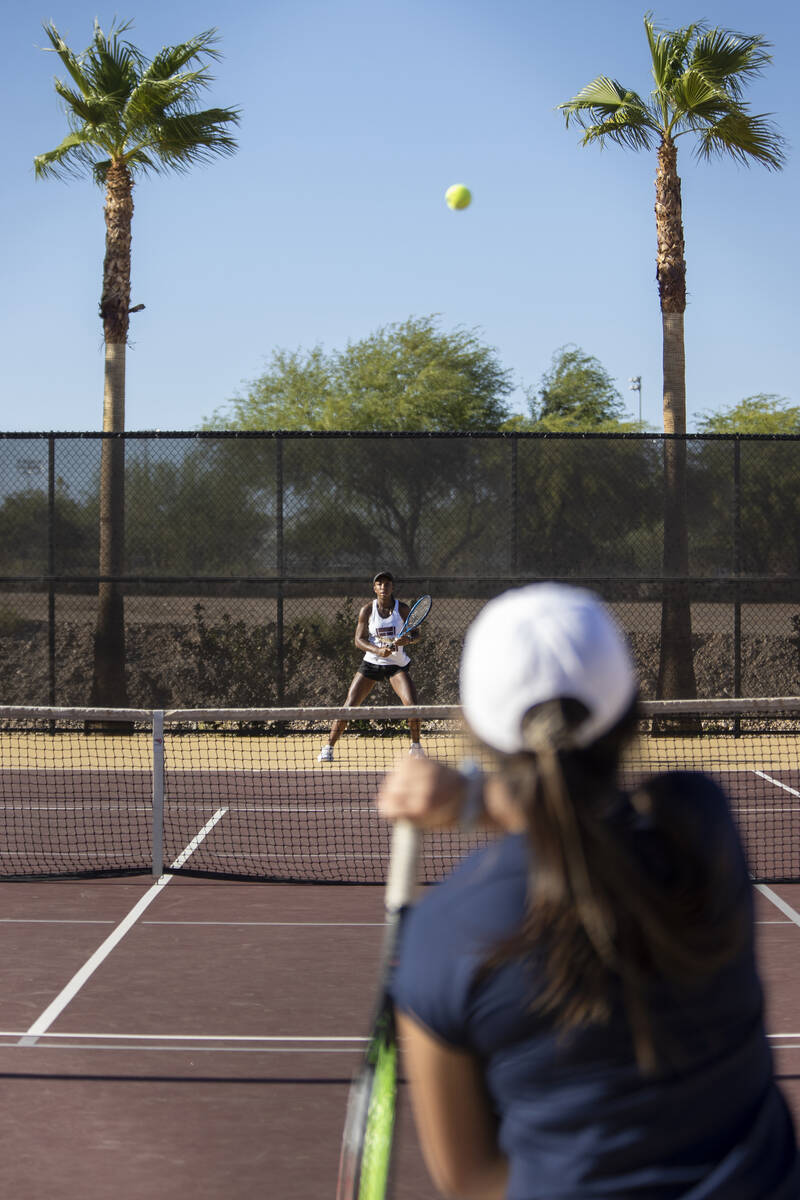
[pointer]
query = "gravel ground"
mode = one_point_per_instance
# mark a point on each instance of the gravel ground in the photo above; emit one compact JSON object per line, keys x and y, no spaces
{"x":168,"y":666}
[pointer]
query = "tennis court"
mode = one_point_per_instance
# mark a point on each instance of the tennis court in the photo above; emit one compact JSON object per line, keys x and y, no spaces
{"x":197,"y":1035}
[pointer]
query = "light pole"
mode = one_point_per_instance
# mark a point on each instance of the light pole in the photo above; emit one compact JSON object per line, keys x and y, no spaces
{"x":635,"y":382}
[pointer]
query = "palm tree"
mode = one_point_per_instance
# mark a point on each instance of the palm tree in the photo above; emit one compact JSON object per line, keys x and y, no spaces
{"x":128,"y":116}
{"x":699,"y":79}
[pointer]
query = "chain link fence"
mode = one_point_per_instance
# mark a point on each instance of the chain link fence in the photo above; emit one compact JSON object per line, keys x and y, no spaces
{"x":247,"y":556}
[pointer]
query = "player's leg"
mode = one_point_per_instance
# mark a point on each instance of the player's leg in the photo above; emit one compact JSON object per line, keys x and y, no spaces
{"x":357,"y":693}
{"x":403,"y":685}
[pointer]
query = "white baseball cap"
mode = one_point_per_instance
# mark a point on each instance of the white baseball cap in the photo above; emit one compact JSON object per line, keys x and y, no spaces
{"x":544,"y":642}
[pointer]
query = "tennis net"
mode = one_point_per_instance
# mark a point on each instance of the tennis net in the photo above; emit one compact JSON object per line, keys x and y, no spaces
{"x":241,"y":793}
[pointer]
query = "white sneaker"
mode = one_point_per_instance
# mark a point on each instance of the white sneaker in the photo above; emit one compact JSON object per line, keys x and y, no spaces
{"x":325,"y":754}
{"x":416,"y":751}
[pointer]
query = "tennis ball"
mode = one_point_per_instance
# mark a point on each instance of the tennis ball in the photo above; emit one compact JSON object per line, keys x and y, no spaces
{"x":458,"y":196}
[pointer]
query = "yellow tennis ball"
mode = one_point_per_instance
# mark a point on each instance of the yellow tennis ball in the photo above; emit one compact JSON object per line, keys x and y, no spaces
{"x":458,"y":196}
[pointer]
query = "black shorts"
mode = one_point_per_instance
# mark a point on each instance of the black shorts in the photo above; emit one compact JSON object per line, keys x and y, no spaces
{"x":374,"y":672}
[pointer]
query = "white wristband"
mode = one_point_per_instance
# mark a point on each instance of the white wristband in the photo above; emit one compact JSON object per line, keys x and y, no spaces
{"x":472,"y":804}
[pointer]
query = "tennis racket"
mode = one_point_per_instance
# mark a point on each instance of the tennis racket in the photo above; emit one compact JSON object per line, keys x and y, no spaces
{"x":416,"y":615}
{"x":369,"y":1123}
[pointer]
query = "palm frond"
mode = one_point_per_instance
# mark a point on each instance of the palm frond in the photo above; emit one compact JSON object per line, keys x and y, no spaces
{"x":153,"y":99}
{"x":89,"y":109}
{"x":745,"y":138}
{"x":67,"y":160}
{"x":124,"y":108}
{"x":693,"y":98}
{"x":68,"y":58}
{"x":605,"y":109}
{"x":669,"y":50}
{"x":727,"y":60}
{"x":112,"y":65}
{"x":195,"y":137}
{"x":172,"y":59}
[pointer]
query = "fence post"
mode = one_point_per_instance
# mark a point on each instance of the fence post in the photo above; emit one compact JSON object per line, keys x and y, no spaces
{"x":51,"y":569}
{"x":737,"y":567}
{"x":281,"y":564}
{"x":514,"y":506}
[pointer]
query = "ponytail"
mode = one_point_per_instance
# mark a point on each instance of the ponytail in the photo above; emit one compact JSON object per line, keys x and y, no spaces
{"x":595,"y":914}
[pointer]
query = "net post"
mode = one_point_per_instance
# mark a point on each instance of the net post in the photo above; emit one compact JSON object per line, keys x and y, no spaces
{"x":158,"y":793}
{"x":51,"y":571}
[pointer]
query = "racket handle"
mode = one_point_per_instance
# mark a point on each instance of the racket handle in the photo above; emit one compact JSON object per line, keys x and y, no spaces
{"x":401,"y":882}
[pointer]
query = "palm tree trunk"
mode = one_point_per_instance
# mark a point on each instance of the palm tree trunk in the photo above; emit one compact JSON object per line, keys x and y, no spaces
{"x":108,"y":684}
{"x":676,"y":678}
{"x":109,"y":688}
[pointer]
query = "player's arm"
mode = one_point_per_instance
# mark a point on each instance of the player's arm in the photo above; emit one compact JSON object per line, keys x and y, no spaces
{"x":455,"y":1123}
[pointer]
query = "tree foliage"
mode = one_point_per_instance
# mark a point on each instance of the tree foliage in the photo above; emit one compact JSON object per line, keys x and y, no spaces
{"x":576,"y":394}
{"x":24,"y":526}
{"x":124,"y":109}
{"x":763,"y":413}
{"x":201,"y":508}
{"x":409,"y":376}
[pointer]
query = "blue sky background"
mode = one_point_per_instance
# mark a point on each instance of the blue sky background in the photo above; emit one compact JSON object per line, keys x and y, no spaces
{"x":330,"y":221}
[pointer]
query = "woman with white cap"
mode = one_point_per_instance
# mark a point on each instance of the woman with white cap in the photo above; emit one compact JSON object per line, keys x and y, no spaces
{"x":579,"y":1005}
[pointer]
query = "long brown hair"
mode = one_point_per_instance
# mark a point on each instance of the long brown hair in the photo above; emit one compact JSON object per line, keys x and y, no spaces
{"x":595,"y":914}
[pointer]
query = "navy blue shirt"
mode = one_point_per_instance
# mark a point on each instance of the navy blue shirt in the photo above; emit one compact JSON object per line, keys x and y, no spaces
{"x":577,"y":1118}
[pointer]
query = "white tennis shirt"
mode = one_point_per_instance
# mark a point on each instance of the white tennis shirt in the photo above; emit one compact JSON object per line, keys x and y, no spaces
{"x":386,"y":627}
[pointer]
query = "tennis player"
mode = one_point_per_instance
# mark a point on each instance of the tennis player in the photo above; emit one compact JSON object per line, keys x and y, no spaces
{"x":578,"y":1002}
{"x":385,"y":657}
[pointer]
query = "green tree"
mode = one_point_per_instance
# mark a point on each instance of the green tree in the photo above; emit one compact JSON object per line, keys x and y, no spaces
{"x":764,"y":413}
{"x":25,"y":527}
{"x":576,"y":394}
{"x":699,"y":77}
{"x":564,"y":479}
{"x":764,"y":506}
{"x":424,"y":510}
{"x":410,"y":376}
{"x":201,"y":507}
{"x":128,"y":116}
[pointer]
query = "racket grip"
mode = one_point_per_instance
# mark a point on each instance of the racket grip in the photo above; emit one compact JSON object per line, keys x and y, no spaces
{"x":401,"y":882}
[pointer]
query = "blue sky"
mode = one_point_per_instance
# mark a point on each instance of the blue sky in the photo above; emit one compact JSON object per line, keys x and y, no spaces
{"x":330,"y":221}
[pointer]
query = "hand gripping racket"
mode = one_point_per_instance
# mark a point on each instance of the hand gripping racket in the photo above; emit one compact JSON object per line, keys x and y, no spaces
{"x":369,"y":1123}
{"x":416,"y":615}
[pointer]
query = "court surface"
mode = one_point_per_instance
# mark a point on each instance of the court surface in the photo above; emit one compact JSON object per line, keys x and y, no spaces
{"x":196,"y":1038}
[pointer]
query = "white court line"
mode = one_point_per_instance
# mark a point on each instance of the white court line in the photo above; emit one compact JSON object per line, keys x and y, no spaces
{"x":767,"y":892}
{"x":742,"y":810}
{"x":232,"y":1042}
{"x":197,"y":1037}
{"x":777,"y":782}
{"x":51,"y":921}
{"x":286,"y":924}
{"x":193,"y":1048}
{"x":234,"y":924}
{"x":67,"y":993}
{"x":779,"y":902}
